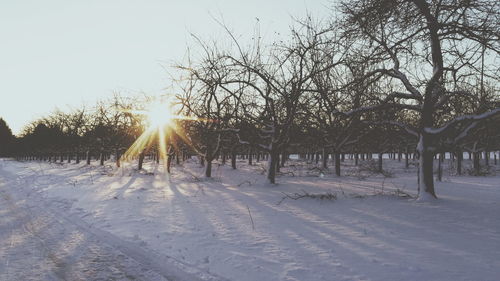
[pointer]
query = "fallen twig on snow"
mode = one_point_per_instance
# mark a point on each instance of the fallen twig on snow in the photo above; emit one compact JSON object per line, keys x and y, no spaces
{"x":242,"y":183}
{"x":304,"y":194}
{"x":251,"y":219}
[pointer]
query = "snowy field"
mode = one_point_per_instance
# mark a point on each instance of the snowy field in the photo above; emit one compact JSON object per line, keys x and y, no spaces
{"x":74,"y":222}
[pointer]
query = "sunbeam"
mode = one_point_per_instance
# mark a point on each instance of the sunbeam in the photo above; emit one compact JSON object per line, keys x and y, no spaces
{"x":160,"y":126}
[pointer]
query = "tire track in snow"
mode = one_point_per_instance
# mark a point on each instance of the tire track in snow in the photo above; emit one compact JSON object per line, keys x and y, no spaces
{"x":61,"y":246}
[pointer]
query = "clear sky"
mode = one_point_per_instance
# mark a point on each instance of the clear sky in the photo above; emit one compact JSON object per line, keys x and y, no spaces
{"x":64,"y":53}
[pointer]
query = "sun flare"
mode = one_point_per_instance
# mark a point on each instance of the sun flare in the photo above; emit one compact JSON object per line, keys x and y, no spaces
{"x":160,"y":126}
{"x":159,"y":115}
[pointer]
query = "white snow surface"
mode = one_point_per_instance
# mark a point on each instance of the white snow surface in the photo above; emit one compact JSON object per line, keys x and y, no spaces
{"x":78,"y":222}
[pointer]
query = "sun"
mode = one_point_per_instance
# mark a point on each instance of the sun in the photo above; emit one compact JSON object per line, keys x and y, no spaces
{"x":160,"y":126}
{"x":160,"y":115}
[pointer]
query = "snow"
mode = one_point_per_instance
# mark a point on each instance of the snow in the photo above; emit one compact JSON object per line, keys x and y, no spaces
{"x":420,"y":144}
{"x":474,"y":117}
{"x":425,"y":196}
{"x":234,"y":227}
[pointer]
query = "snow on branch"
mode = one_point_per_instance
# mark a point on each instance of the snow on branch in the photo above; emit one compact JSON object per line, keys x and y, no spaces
{"x":402,"y":95}
{"x":261,"y":146}
{"x":241,"y":141}
{"x":379,"y":106}
{"x":471,"y":117}
{"x":395,"y":72}
{"x":465,"y":132}
{"x":415,"y":94}
{"x":232,"y":130}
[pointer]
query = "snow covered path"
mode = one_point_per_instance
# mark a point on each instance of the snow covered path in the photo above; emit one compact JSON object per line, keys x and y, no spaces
{"x":142,"y":226}
{"x":38,"y":241}
{"x":37,"y":244}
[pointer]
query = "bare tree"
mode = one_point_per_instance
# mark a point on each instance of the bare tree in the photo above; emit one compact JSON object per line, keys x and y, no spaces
{"x":273,"y":82}
{"x":428,"y":43}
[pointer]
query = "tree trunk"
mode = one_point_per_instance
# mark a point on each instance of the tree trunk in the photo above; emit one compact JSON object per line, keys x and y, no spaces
{"x":284,"y":157}
{"x":101,"y":157}
{"x":486,"y":158}
{"x":380,"y":162}
{"x":88,"y":157}
{"x":475,"y":164}
{"x":460,"y":157}
{"x":169,"y":162}
{"x":208,"y":168}
{"x":250,"y":156}
{"x":141,"y":160}
{"x":337,"y":164}
{"x":440,"y":167}
{"x":277,"y":162}
{"x":117,"y":156}
{"x":356,"y":159}
{"x":426,"y":178}
{"x":272,"y":166}
{"x":233,"y":160}
{"x":407,"y":158}
{"x":325,"y":159}
{"x":202,"y":161}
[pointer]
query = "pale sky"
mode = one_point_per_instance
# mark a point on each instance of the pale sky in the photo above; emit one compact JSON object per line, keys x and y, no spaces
{"x":64,"y":53}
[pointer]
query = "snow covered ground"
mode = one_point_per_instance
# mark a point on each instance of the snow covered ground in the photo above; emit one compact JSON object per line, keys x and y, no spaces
{"x":74,"y":222}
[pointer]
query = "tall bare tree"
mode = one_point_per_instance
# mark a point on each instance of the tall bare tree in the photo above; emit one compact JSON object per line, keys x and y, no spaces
{"x":428,"y":43}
